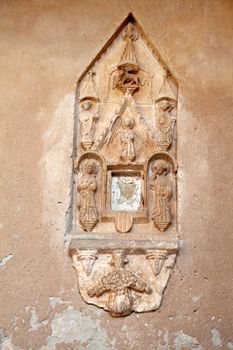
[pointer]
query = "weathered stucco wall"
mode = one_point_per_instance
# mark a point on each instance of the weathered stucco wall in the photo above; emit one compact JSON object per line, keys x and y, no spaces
{"x":45,"y":46}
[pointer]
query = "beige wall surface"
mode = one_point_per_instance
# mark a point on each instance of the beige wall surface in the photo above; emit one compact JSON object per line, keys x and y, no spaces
{"x":45,"y":46}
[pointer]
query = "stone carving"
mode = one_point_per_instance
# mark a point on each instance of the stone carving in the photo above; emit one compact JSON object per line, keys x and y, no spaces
{"x":120,"y":289}
{"x":166,"y":90}
{"x":165,"y":123}
{"x":127,"y":79}
{"x":89,"y":112}
{"x":87,"y":186}
{"x":123,"y":221}
{"x":118,"y":284}
{"x":161,"y":186}
{"x":156,"y":259}
{"x":124,"y":192}
{"x":124,"y":129}
{"x":87,"y":258}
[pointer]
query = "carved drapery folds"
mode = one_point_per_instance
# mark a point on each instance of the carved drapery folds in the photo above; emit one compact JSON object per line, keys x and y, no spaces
{"x":89,"y":171}
{"x":124,"y":237}
{"x":89,"y":111}
{"x":162,"y":188}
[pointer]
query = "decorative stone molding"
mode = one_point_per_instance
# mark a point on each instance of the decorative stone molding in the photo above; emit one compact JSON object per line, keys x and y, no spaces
{"x":124,"y":238}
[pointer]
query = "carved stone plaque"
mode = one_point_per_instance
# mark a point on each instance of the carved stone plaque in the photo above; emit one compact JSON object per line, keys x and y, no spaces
{"x":124,"y":238}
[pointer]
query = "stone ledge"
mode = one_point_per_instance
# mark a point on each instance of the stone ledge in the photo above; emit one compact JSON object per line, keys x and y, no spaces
{"x":129,"y":246}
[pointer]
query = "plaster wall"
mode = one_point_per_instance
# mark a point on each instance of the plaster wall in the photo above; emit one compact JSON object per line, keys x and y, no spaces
{"x":45,"y":46}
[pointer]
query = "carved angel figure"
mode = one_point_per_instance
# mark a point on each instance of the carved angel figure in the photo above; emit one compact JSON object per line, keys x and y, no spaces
{"x":165,"y":124}
{"x":123,"y":127}
{"x":118,"y":284}
{"x":161,"y":186}
{"x":127,"y":138}
{"x":87,"y":186}
{"x":88,"y":117}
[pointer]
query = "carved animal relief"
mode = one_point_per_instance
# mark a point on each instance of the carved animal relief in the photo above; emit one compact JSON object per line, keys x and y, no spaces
{"x":124,"y":235}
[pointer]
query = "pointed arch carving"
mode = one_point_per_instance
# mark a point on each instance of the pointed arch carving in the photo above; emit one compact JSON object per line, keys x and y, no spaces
{"x":124,"y":239}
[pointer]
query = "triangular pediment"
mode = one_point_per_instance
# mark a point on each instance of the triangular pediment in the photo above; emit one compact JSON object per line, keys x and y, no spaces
{"x":126,"y":120}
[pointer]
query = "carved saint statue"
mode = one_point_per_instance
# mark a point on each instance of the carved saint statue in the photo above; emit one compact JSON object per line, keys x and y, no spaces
{"x":123,"y":128}
{"x":87,"y":186}
{"x":118,"y":284}
{"x":161,"y":186}
{"x":89,"y":115}
{"x":165,"y":123}
{"x":127,"y":138}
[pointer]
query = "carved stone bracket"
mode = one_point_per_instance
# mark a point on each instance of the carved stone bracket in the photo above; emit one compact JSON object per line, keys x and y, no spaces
{"x":121,"y":282}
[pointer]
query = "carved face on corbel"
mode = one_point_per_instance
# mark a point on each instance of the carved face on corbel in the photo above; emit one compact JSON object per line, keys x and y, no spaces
{"x":86,"y":105}
{"x":118,"y":259}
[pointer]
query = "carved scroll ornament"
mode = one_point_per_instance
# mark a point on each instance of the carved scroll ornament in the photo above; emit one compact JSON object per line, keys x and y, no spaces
{"x":124,"y":238}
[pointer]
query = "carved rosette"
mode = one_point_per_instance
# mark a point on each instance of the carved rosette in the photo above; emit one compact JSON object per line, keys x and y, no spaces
{"x":124,"y":238}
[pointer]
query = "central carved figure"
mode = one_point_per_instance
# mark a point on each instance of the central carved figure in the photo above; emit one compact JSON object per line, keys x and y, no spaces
{"x":118,"y":283}
{"x":127,"y":137}
{"x":122,"y":127}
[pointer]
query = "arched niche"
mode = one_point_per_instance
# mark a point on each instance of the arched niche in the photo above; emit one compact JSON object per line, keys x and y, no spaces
{"x":160,"y":170}
{"x":96,"y":179}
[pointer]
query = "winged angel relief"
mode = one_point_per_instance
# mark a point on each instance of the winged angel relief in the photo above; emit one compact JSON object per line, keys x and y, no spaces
{"x":123,"y":129}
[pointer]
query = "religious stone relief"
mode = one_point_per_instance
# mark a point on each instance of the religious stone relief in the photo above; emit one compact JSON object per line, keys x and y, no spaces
{"x":124,"y":239}
{"x":89,"y":112}
{"x":161,"y":186}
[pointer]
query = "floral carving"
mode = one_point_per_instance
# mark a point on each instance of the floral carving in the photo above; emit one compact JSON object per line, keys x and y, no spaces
{"x":161,"y":186}
{"x":87,"y":186}
{"x":118,"y":284}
